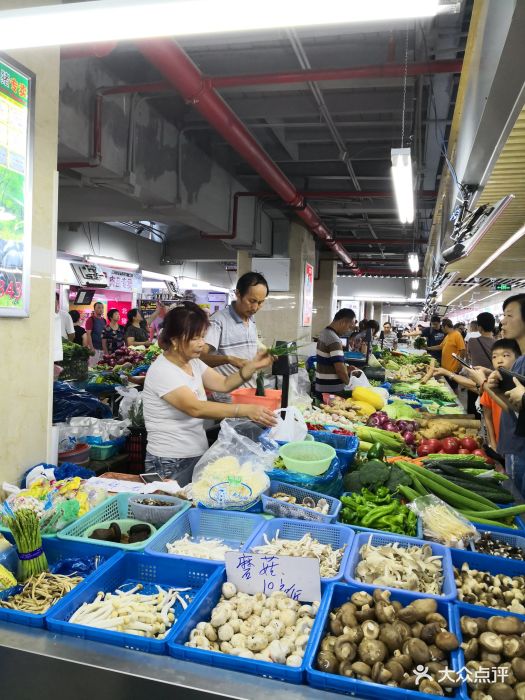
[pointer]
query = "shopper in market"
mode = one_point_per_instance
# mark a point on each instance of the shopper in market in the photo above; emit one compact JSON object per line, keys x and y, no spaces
{"x":94,"y":328}
{"x":331,"y":373}
{"x":388,"y":337}
{"x":473,"y":331}
{"x":113,"y":334}
{"x":452,"y":344}
{"x":80,"y":337}
{"x":479,"y":344}
{"x":511,"y":442}
{"x":63,"y":319}
{"x":174,"y":397}
{"x":231,"y":338}
{"x":135,"y":333}
{"x":434,"y":335}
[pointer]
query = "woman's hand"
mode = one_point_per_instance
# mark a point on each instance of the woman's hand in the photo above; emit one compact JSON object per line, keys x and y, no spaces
{"x":515,"y":396}
{"x":478,"y":374}
{"x":261,"y":415}
{"x":494,"y":380}
{"x":262,"y":361}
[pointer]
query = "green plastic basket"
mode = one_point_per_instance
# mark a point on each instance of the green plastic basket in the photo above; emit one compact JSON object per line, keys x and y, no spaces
{"x":307,"y":457}
{"x":116,"y":508}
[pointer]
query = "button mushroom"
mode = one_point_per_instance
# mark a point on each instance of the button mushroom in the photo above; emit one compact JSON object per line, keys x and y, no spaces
{"x":344,"y":649}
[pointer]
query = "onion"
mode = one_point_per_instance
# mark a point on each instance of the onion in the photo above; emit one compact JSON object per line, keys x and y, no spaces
{"x":409,"y":437}
{"x":383,"y":417}
{"x":412,"y":425}
{"x":403,"y":425}
{"x":390,"y":426}
{"x":374,"y":421}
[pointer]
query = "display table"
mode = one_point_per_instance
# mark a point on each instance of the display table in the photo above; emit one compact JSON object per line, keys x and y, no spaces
{"x":35,"y":663}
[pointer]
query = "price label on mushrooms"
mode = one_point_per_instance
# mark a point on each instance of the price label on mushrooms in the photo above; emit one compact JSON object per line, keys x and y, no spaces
{"x":298,"y":577}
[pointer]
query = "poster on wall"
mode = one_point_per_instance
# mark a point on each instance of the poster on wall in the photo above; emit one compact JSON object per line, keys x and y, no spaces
{"x":16,"y":108}
{"x":308,"y":294}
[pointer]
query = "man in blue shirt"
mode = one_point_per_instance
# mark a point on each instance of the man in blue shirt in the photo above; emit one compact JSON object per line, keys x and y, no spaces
{"x":434,"y":335}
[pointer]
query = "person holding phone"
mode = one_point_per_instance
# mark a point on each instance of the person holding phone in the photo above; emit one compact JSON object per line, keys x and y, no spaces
{"x":512,"y":438}
{"x":174,"y":396}
{"x":453,"y":344}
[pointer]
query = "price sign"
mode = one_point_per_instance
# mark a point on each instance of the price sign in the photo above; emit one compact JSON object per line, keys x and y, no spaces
{"x":16,"y":104}
{"x":298,"y":577}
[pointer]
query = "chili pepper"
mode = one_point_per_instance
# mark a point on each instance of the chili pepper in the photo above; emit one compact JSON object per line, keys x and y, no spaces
{"x":377,"y":513}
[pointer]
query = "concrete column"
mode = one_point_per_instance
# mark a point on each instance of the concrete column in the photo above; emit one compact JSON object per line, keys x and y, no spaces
{"x":281,"y":317}
{"x":27,"y":343}
{"x":324,"y":295}
{"x":378,"y":311}
{"x":244,"y":263}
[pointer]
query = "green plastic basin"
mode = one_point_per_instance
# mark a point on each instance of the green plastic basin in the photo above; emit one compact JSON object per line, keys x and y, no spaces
{"x":307,"y":457}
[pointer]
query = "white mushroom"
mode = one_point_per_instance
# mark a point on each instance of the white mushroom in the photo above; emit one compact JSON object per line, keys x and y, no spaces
{"x":225,"y":632}
{"x":238,"y":641}
{"x":226,"y":648}
{"x":257,"y":642}
{"x":210,"y":632}
{"x":294,"y":660}
{"x":277,"y":653}
{"x":266,"y":617}
{"x":244,"y":609}
{"x":228,"y":590}
{"x":220,"y":616}
{"x":288,"y":617}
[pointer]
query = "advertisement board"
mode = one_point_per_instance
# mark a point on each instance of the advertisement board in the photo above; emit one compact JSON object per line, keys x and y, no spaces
{"x":308,"y":294}
{"x":16,"y":111}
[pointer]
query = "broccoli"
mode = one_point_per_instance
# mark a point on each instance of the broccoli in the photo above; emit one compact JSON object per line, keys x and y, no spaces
{"x":374,"y":473}
{"x":397,"y":477}
{"x":352,"y":481}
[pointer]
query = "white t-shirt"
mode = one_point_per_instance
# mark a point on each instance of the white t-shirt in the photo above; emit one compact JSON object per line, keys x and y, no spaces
{"x":58,"y":354}
{"x":471,"y":335}
{"x":172,"y":433}
{"x":66,"y":324}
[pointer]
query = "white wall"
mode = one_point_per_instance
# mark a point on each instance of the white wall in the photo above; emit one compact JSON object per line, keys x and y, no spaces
{"x":378,"y":289}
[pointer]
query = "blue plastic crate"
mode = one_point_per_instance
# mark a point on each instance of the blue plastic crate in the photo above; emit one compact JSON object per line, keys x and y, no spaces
{"x":460,"y":610}
{"x":201,"y":611}
{"x":490,"y":564}
{"x":335,"y":535}
{"x":376,"y":539}
{"x":116,"y":508}
{"x":335,"y":596}
{"x":345,"y":446}
{"x":9,"y":559}
{"x":235,"y":529}
{"x":280,"y":509}
{"x":129,"y":569}
{"x":511,"y":539}
{"x":358,"y":528}
{"x":56,"y":551}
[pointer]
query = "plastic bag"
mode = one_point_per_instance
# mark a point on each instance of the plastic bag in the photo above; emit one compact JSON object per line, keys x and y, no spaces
{"x":69,"y":402}
{"x":231,"y":474}
{"x":292,"y":428}
{"x":443,"y":524}
{"x":300,"y":390}
{"x":330,"y":483}
{"x":357,"y":378}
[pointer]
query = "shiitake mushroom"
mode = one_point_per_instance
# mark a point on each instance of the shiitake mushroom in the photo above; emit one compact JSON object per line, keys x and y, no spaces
{"x":327,"y":662}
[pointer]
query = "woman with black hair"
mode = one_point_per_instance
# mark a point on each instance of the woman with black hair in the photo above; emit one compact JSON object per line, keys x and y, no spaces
{"x":175,"y":404}
{"x":135,"y":333}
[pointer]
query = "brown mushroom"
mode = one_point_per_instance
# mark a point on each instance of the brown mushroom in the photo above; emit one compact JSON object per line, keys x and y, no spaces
{"x":501,"y":691}
{"x":361,"y":598}
{"x":486,"y":655}
{"x":385,"y":612}
{"x":519,"y":689}
{"x":336,"y":626}
{"x":390,"y":636}
{"x":518,"y":668}
{"x":471,"y":649}
{"x":404,"y":660}
{"x":327,"y":662}
{"x":513,"y":647}
{"x":447,"y":641}
{"x":505,"y":625}
{"x":409,"y":682}
{"x":436,"y":617}
{"x":371,"y":651}
{"x":469,"y":626}
{"x":416,"y":629}
{"x":370,"y":629}
{"x":403,"y":630}
{"x":424,"y":607}
{"x":429,"y":632}
{"x":436,"y":654}
{"x":365,"y":613}
{"x":430,"y":687}
{"x":347,"y":608}
{"x":397,"y":671}
{"x":435,"y":667}
{"x":345,"y":649}
{"x":492,"y":642}
{"x":507,"y":674}
{"x":328,"y":643}
{"x":417,"y":650}
{"x":380,"y":674}
{"x":361,"y":669}
{"x":345,"y":669}
{"x":482,"y":623}
{"x":397,"y":605}
{"x":410,"y":614}
{"x":348,"y":618}
{"x":355,"y":634}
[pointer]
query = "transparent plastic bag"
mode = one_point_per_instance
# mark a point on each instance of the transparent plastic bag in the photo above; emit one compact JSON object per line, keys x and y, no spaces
{"x":232,"y":473}
{"x":300,"y":390}
{"x":443,"y":524}
{"x":292,"y":428}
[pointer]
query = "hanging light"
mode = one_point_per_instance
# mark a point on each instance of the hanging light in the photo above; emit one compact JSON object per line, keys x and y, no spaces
{"x":415,"y":285}
{"x":413,"y":262}
{"x":403,"y":185}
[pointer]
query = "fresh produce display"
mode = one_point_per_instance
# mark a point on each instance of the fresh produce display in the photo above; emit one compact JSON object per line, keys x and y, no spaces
{"x":307,"y":546}
{"x":490,"y":591}
{"x":319,"y":506}
{"x":432,"y":390}
{"x":133,"y":612}
{"x":375,"y":639}
{"x":40,"y":592}
{"x":391,"y":441}
{"x":494,"y":644}
{"x":201,"y":548}
{"x":123,"y":359}
{"x":340,"y":409}
{"x":379,"y":511}
{"x":227,"y":483}
{"x":138,"y":532}
{"x":489,"y":543}
{"x":414,"y":568}
{"x":406,"y":428}
{"x":73,"y":351}
{"x":7,"y":580}
{"x":25,"y":528}
{"x":317,"y":419}
{"x":374,"y":474}
{"x":442,"y":523}
{"x":484,"y":483}
{"x":272,"y":628}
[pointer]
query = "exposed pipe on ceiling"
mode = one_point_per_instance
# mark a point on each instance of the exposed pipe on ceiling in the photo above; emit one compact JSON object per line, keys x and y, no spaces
{"x":95,"y":50}
{"x":173,"y":63}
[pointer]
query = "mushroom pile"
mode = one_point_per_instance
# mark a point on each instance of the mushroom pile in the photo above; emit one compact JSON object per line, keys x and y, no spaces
{"x":375,"y":639}
{"x":494,"y":650}
{"x":307,"y":546}
{"x":411,"y":568}
{"x":271,"y":628}
{"x":481,"y":588}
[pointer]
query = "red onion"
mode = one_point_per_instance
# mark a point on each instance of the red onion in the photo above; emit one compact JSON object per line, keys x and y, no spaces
{"x":374,"y":421}
{"x":383,"y":417}
{"x":390,"y":426}
{"x":403,"y":425}
{"x":409,"y":437}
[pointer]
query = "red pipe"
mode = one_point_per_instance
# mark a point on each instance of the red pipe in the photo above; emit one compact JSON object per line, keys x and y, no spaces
{"x":177,"y":68}
{"x":380,"y":241}
{"x":363,"y":72}
{"x":97,"y":50}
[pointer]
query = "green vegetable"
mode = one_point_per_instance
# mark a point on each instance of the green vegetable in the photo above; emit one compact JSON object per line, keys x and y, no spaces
{"x":420,"y":343}
{"x":498,"y":476}
{"x":260,"y":385}
{"x":464,"y":459}
{"x":25,"y":527}
{"x":399,"y":409}
{"x":378,"y":511}
{"x":377,"y":451}
{"x":502,"y":513}
{"x":391,"y":441}
{"x":73,"y":351}
{"x":374,"y":473}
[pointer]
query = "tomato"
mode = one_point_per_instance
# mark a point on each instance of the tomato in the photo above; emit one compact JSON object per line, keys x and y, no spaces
{"x":479,"y":453}
{"x":469,"y":443}
{"x":423,"y":450}
{"x":435,"y":445}
{"x":451,"y":445}
{"x":463,"y":451}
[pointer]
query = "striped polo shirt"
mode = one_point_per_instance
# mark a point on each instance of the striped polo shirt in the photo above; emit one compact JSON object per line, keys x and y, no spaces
{"x":329,"y":350}
{"x":229,"y":335}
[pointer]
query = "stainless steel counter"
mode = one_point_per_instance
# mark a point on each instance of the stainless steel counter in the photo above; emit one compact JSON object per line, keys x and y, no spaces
{"x":36,"y":664}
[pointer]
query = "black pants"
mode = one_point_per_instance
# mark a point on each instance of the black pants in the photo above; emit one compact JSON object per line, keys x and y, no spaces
{"x":471,"y":404}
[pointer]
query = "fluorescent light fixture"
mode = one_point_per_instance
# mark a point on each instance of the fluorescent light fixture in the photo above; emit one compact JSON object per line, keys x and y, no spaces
{"x":115,"y":20}
{"x":413,"y":296}
{"x":151,"y":284}
{"x":415,"y":285}
{"x":469,"y":289}
{"x":146,"y":274}
{"x":413,"y":262}
{"x":403,"y":184}
{"x":201,"y":285}
{"x":505,"y":246}
{"x":111,"y":262}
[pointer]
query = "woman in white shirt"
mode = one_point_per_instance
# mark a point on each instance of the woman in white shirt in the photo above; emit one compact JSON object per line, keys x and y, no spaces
{"x":174,"y":396}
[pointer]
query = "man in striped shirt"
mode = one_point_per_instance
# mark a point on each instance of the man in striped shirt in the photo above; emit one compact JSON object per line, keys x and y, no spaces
{"x":331,"y":374}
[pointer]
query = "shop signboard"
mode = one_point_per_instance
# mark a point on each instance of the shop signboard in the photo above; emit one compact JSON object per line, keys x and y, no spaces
{"x":16,"y":167}
{"x":308,"y":294}
{"x":123,"y":281}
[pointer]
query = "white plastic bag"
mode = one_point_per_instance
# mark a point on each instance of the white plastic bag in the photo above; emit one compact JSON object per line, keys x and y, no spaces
{"x":292,"y":428}
{"x":300,"y":388}
{"x":357,"y":378}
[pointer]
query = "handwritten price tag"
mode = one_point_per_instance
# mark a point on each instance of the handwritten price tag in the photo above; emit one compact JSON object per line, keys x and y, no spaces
{"x":298,"y":577}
